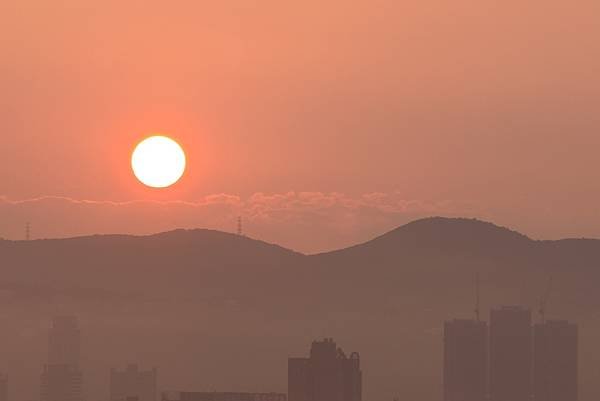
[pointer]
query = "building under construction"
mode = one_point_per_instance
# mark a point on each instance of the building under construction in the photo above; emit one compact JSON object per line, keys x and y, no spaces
{"x":465,"y":360}
{"x":510,"y":354}
{"x":514,"y":362}
{"x":555,"y":359}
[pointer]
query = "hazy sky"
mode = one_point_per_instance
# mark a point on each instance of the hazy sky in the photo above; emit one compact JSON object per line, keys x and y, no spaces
{"x":322,"y":122}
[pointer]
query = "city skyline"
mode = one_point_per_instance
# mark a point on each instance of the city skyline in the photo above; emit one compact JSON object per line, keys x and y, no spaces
{"x":521,"y":360}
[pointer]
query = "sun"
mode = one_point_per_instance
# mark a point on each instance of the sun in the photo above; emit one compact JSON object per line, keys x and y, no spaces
{"x":158,"y":161}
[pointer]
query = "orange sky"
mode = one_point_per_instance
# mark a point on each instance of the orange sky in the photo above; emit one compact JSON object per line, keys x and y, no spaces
{"x":490,"y":107}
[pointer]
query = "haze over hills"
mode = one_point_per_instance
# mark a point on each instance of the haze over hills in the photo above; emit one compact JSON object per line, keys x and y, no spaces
{"x":200,"y":299}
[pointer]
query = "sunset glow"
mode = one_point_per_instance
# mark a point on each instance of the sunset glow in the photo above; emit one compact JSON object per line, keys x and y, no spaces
{"x":158,"y":161}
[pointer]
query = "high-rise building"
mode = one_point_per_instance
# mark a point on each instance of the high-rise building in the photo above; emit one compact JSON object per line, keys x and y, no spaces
{"x":299,"y":379}
{"x":61,"y":383}
{"x":555,"y":358}
{"x":62,"y":378}
{"x":133,"y":383}
{"x":64,"y":341}
{"x":327,"y":375}
{"x":465,"y":360}
{"x":3,"y":387}
{"x":510,"y":354}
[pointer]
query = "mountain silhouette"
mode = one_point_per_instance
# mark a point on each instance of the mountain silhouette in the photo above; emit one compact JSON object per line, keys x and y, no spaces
{"x":211,"y":306}
{"x":446,"y":234}
{"x":119,"y":262}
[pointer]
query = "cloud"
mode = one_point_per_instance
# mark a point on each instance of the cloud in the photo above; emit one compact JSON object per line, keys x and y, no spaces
{"x":305,"y":221}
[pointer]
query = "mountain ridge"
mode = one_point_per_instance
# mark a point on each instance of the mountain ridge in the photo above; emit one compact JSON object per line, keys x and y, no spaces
{"x":423,"y":229}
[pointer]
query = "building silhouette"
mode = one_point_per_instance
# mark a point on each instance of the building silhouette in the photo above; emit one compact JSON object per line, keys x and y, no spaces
{"x":3,"y":387}
{"x":510,"y":354}
{"x":327,"y":375}
{"x":64,"y":341}
{"x":133,"y":383}
{"x":221,"y":396}
{"x":538,"y":363}
{"x":62,"y":378}
{"x":555,"y":359}
{"x":465,"y":360}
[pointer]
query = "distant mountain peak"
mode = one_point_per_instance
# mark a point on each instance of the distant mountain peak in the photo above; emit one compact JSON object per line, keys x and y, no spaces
{"x":457,"y":225}
{"x":444,"y":234}
{"x":454,"y":230}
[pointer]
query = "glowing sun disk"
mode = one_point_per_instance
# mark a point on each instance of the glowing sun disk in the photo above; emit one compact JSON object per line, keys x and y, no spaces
{"x":158,"y":161}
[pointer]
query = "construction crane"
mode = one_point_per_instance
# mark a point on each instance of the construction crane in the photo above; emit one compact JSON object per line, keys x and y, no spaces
{"x":544,"y":300}
{"x":477,"y":297}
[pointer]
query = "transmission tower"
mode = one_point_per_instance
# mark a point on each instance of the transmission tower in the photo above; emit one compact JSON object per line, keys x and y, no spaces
{"x":240,"y":231}
{"x":544,"y":300}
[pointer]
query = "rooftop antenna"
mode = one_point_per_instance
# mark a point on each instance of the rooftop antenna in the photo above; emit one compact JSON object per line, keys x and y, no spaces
{"x":544,"y":300}
{"x":240,"y":231}
{"x":27,"y":231}
{"x":477,"y":297}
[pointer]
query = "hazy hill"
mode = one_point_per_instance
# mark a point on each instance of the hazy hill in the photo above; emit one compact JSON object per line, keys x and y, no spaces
{"x":157,"y":265}
{"x":218,"y":311}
